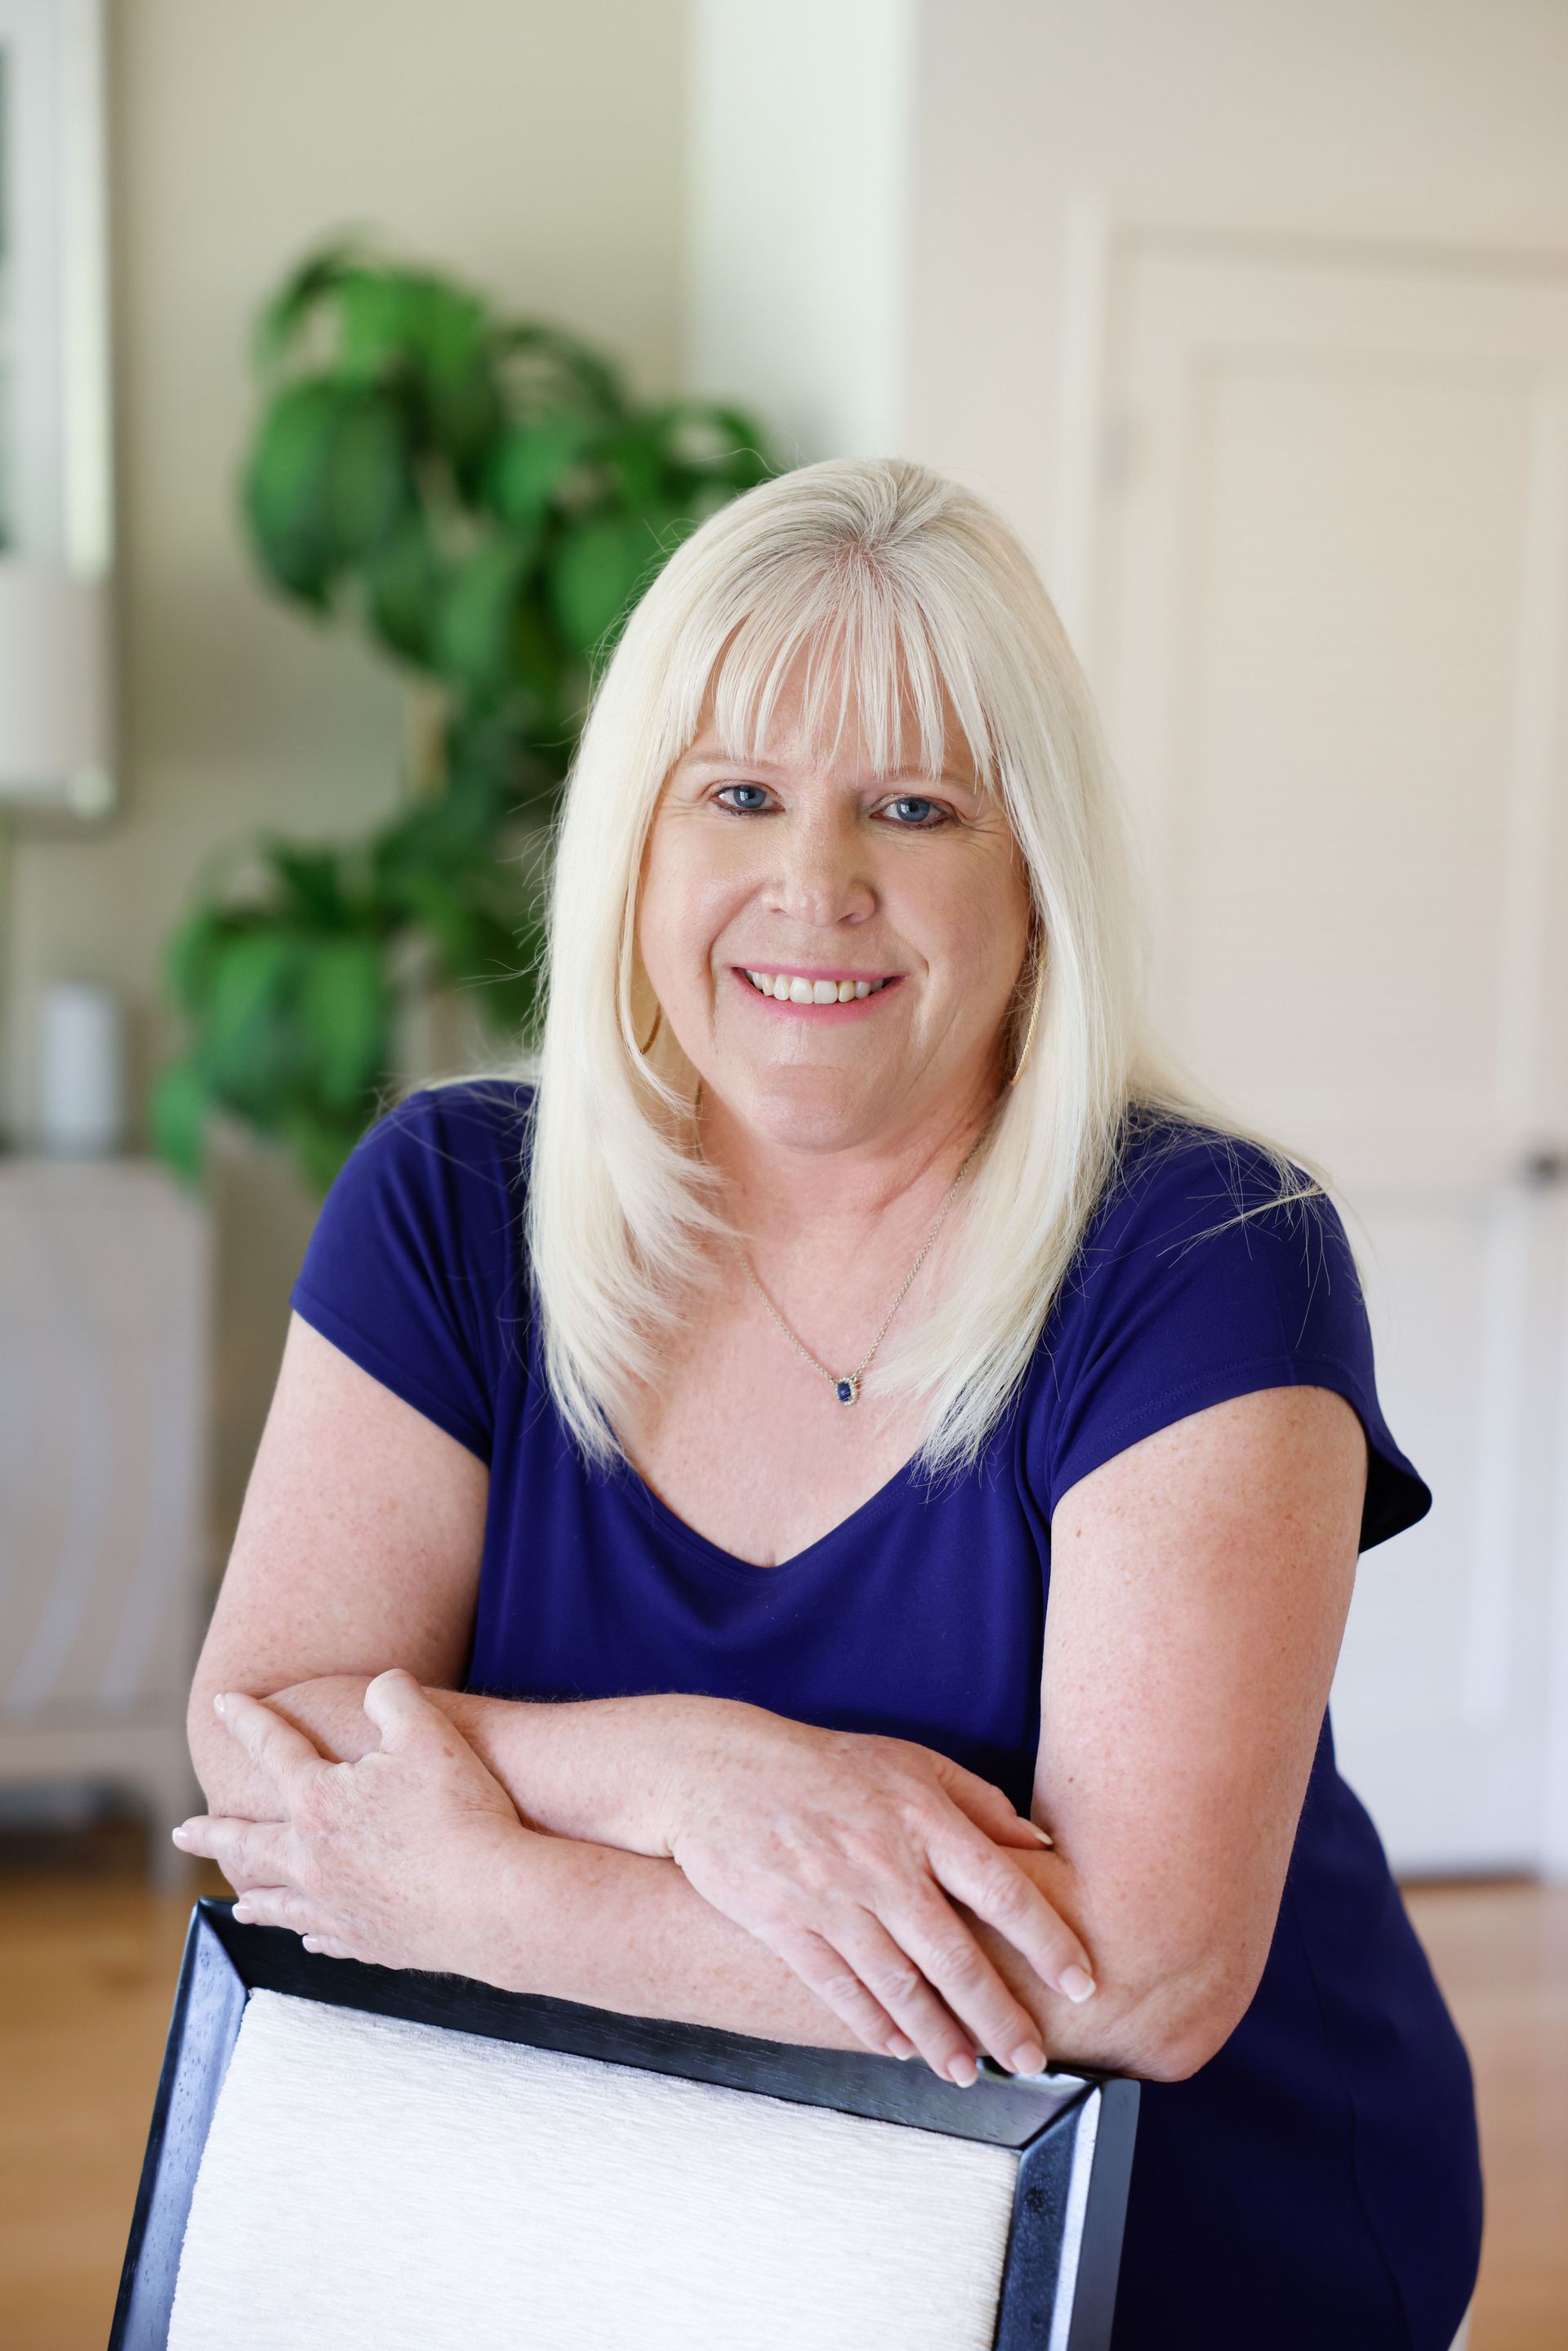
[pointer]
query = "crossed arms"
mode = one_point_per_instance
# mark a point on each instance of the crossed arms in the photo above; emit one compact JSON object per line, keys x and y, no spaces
{"x":696,"y":1858}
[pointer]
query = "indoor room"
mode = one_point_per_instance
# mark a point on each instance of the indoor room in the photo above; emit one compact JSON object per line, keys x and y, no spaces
{"x":784,"y":1175}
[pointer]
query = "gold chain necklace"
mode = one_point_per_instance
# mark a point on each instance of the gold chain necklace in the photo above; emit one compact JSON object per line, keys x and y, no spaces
{"x":846,"y":1386}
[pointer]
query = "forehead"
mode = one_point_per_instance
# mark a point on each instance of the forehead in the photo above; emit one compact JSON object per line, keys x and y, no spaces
{"x":834,"y":710}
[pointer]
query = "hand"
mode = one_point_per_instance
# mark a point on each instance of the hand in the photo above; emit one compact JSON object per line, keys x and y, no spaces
{"x":386,"y":1859}
{"x":840,"y":1851}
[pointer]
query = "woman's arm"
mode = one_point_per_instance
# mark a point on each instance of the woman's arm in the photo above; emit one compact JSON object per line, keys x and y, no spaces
{"x":1199,"y":1586}
{"x":360,"y":1547}
{"x":357,"y":1547}
{"x":413,"y":1858}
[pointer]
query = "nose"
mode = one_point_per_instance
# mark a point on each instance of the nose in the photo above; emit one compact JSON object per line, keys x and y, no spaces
{"x":819,"y":877}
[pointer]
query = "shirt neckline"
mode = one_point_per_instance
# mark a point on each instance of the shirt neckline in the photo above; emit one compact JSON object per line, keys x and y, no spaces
{"x":644,"y":1495}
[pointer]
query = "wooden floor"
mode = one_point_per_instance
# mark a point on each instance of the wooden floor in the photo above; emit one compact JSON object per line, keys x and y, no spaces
{"x":88,"y":1961}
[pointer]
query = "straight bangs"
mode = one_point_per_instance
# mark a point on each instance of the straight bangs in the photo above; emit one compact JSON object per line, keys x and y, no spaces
{"x":898,"y":599}
{"x":863,"y":650}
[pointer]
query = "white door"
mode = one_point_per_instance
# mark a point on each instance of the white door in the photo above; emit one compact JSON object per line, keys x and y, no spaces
{"x":1326,"y":614}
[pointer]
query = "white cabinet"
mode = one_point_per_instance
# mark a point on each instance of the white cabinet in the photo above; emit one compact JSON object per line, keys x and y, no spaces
{"x":103,"y":1344}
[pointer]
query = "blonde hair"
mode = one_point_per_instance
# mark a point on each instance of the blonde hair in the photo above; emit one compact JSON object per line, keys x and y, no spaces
{"x":899,"y":587}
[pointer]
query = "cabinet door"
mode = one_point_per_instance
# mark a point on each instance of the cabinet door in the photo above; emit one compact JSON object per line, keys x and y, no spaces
{"x":1325,"y":616}
{"x":103,"y":1327}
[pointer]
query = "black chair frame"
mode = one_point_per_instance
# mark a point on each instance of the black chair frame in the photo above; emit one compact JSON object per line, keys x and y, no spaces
{"x":1073,"y":2131}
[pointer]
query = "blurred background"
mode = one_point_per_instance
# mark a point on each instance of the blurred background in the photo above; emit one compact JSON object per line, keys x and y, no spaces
{"x":356,"y":367}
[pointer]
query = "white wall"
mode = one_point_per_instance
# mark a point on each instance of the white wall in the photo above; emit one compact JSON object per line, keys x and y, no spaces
{"x":883,"y":190}
{"x":802,"y":124}
{"x":1419,"y":120}
{"x":531,"y":146}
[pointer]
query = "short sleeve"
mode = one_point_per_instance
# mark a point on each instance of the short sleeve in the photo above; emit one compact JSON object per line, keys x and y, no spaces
{"x":412,"y":1270}
{"x":1195,"y":1285}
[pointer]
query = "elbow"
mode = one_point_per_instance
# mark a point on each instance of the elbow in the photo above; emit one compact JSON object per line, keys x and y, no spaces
{"x":1169,"y":2030}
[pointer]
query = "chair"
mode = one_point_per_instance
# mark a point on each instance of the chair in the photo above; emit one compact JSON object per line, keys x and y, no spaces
{"x":353,"y":2155}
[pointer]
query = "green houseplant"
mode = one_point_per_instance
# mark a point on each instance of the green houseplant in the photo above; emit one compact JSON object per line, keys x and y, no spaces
{"x":485,"y":498}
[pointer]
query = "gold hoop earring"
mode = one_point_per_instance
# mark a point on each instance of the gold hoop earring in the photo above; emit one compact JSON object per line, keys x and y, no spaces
{"x":1029,"y":1032}
{"x":647,"y":1047}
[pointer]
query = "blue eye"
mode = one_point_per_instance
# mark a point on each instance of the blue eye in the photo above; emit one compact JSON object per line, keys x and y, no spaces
{"x":745,"y":808}
{"x":917,"y":810}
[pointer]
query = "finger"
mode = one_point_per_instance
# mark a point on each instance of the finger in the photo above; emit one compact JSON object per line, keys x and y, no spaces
{"x":987,"y":1806}
{"x":926,"y":1967}
{"x":835,"y":1983}
{"x":327,"y":1948}
{"x":997,"y":1890}
{"x":285,"y":1754}
{"x":896,"y":1980}
{"x":403,"y":1714}
{"x":282,"y":1905}
{"x":248,"y":1853}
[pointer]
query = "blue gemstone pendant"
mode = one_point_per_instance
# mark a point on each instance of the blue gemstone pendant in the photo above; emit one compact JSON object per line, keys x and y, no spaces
{"x":847,"y":1390}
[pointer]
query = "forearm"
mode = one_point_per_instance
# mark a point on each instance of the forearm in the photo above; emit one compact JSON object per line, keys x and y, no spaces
{"x":622,"y":1930}
{"x":587,"y":1769}
{"x":1165,"y":2002}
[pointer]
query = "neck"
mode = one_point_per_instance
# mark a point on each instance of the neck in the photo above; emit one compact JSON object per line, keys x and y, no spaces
{"x":838,"y":1204}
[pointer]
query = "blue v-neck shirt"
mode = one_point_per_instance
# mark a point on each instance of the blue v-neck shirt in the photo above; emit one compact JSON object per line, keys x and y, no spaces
{"x":1316,"y":2186}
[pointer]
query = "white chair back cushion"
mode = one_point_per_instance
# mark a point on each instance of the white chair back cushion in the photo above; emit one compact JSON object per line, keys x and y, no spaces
{"x":381,"y":2186}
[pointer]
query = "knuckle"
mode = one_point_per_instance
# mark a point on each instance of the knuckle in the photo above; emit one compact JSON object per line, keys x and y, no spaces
{"x":1008,"y":1894}
{"x":957,"y":1960}
{"x":897,"y":1981}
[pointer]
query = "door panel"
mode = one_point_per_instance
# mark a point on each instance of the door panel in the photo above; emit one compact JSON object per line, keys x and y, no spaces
{"x":1326,"y":626}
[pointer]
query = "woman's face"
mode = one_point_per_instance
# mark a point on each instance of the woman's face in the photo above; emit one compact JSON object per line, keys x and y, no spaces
{"x":903,"y":900}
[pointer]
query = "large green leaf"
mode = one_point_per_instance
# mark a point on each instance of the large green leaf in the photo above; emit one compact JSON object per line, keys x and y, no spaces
{"x":478,"y":620}
{"x":290,"y":310}
{"x":405,"y":583}
{"x":312,"y":879}
{"x":596,"y":570}
{"x":178,"y":1116}
{"x":372,"y":486}
{"x":192,"y":953}
{"x":288,"y":487}
{"x":344,"y":1011}
{"x":249,"y":1043}
{"x":531,"y":462}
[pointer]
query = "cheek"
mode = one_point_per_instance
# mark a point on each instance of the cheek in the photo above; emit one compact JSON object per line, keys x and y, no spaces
{"x":687,"y":897}
{"x":982,"y":921}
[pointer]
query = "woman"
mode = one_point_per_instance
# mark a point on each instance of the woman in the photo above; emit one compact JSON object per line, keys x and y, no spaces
{"x":671,"y":1468}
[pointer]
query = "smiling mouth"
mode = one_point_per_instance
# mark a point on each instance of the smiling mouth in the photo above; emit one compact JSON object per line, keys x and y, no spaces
{"x":797,"y":987}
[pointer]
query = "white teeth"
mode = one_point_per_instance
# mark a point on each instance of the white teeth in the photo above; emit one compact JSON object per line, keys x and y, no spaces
{"x":786,"y":989}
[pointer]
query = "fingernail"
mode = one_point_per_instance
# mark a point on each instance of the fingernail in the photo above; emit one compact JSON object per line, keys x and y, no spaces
{"x":900,"y":2045}
{"x":1029,"y":2057}
{"x":1044,"y":1834}
{"x":1076,"y":1982}
{"x":219,"y":1703}
{"x":962,"y":2070}
{"x":242,"y":1916}
{"x":181,"y":1835}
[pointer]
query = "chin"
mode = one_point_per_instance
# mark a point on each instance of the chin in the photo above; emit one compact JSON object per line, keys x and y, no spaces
{"x":810,"y":1109}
